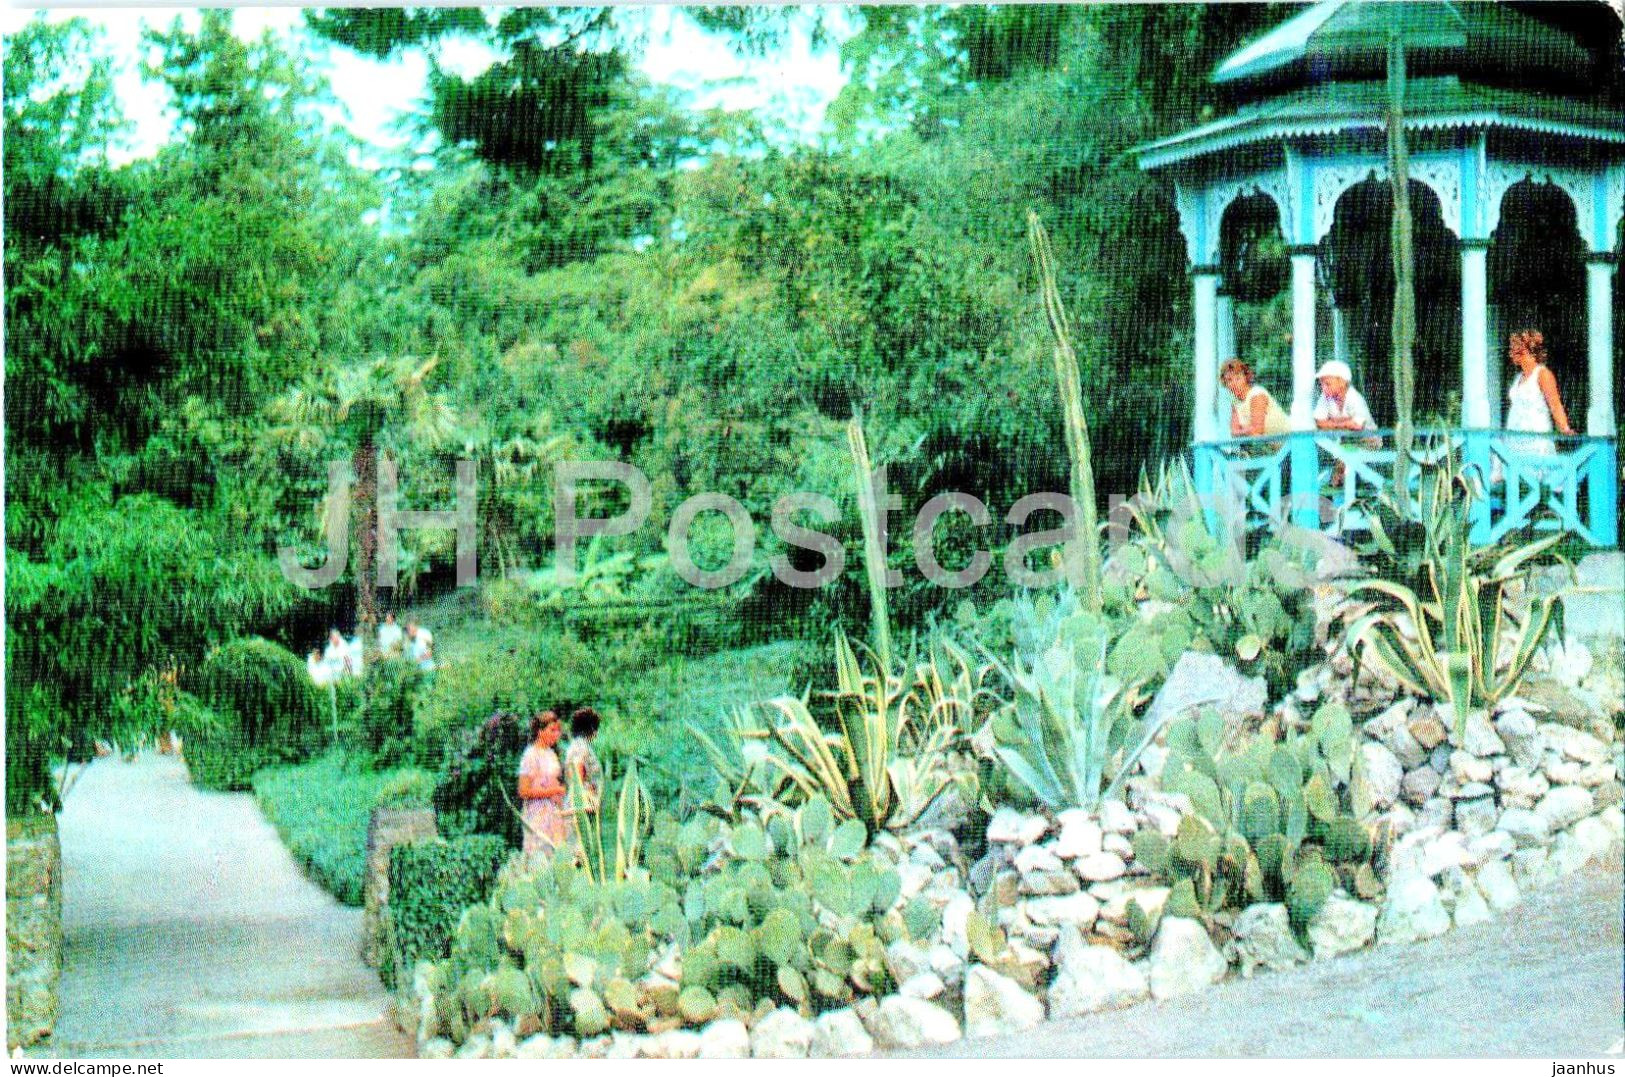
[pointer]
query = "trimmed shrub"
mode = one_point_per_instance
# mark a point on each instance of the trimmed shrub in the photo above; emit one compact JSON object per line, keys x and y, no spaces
{"x":388,"y":696}
{"x":321,"y":808}
{"x":269,"y":713}
{"x":430,"y":884}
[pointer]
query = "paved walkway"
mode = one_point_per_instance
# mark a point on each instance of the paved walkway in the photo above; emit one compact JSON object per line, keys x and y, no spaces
{"x":191,"y":933}
{"x":1540,"y":981}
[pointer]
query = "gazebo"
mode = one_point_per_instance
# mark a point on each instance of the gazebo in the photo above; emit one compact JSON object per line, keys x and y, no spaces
{"x":1498,"y":106}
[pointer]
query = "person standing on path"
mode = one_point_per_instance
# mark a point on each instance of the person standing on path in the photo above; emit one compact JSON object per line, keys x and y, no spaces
{"x":541,"y":787}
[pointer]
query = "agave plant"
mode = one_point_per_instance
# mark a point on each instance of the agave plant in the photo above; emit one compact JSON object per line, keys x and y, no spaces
{"x":1446,"y":626}
{"x":887,"y":759}
{"x":1070,"y":736}
{"x":605,"y":862}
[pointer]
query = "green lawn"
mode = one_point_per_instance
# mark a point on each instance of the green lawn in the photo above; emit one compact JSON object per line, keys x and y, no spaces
{"x":321,"y":809}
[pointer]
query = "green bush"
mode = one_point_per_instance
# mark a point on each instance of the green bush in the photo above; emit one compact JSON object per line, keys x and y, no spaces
{"x":430,"y":884}
{"x":388,"y":697}
{"x":408,"y":787}
{"x":321,"y":810}
{"x":269,"y":711}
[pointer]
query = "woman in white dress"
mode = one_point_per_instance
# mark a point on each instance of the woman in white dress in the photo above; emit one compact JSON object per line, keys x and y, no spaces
{"x":1536,"y":405}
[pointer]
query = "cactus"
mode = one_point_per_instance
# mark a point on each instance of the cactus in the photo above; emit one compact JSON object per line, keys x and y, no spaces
{"x":591,"y":1018}
{"x":1312,"y":883}
{"x":1182,"y":901}
{"x":696,"y":1004}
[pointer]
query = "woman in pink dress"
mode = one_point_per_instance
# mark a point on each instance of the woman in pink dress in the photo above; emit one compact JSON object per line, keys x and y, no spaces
{"x":541,"y":787}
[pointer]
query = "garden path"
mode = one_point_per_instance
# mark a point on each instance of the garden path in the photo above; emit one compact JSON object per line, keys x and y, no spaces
{"x":1541,"y":980}
{"x":191,"y":933}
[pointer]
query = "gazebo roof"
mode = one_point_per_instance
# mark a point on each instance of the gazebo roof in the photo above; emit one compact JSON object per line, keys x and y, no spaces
{"x":1472,"y":64}
{"x":1343,"y":38}
{"x":1430,"y":104}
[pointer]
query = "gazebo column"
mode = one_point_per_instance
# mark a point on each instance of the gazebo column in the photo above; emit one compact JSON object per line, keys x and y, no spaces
{"x":1600,"y":419}
{"x":1305,"y":484}
{"x":1475,"y":336}
{"x":1226,"y":314}
{"x":1205,"y":378}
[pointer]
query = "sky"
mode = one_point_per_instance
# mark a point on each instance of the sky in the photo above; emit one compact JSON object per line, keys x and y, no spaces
{"x":796,"y":84}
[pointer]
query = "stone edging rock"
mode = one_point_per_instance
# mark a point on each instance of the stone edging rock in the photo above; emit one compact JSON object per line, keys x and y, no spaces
{"x":33,"y":929}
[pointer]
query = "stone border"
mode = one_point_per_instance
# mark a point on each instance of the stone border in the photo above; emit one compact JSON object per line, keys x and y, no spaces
{"x":33,"y":929}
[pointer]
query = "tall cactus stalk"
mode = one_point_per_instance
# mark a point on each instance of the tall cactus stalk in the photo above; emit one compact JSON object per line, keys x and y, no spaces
{"x":1404,"y":324}
{"x":874,"y":545}
{"x":1083,"y":553}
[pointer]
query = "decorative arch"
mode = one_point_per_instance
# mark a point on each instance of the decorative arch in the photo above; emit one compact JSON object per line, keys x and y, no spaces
{"x":1201,"y":209}
{"x":1439,"y":174}
{"x":1577,"y":184}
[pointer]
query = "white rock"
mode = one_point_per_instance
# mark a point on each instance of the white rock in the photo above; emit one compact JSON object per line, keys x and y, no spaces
{"x":1575,"y":744}
{"x":674,"y":1043}
{"x":907,"y":1023}
{"x":1564,"y":805}
{"x":1116,"y":818}
{"x":1079,"y":909}
{"x":1481,"y":738}
{"x":1382,"y":774}
{"x":1037,"y":858}
{"x":1080,"y":834}
{"x":475,"y":1047}
{"x":1405,"y":747}
{"x":1470,"y":768}
{"x":926,"y":985}
{"x":1048,"y":882}
{"x":1165,"y":818}
{"x":1520,"y":781}
{"x":1521,"y":736}
{"x":1184,"y":959}
{"x":596,"y":1047}
{"x":1419,"y":784}
{"x":1437,"y":813}
{"x":1115,"y":896}
{"x":1595,"y":774}
{"x":1495,"y":882}
{"x":1091,"y":978}
{"x":1342,"y":926}
{"x":912,"y":877}
{"x":905,"y":960}
{"x":955,"y":915}
{"x":1413,"y":910}
{"x":725,"y":1038}
{"x":784,"y":1033}
{"x":1012,"y":827}
{"x":1496,"y":845}
{"x":1587,"y":840}
{"x":1561,"y":771}
{"x":1614,"y":820}
{"x":1263,"y":937}
{"x":1119,"y":844}
{"x":626,"y":1045}
{"x":1524,"y":826}
{"x":1475,"y":818}
{"x":1471,"y":907}
{"x":996,"y":1005}
{"x":503,"y":1044}
{"x":1100,"y":867}
{"x":840,"y":1033}
{"x":949,"y":965}
{"x":1527,"y":864}
{"x":439,"y":1047}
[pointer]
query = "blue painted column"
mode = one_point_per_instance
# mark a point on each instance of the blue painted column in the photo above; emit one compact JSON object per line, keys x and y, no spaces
{"x":1304,"y":498}
{"x":1476,"y":415}
{"x":1603,"y":482}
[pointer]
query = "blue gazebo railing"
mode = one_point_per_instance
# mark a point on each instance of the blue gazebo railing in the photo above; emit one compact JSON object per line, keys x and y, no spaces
{"x":1325,"y":479}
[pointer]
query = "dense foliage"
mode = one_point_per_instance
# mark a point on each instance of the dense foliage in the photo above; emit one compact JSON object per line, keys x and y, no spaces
{"x":268,"y":712}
